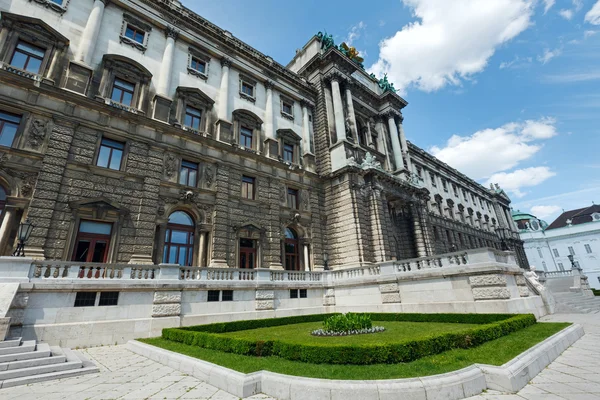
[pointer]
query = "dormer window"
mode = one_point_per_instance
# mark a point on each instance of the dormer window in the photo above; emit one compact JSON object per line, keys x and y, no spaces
{"x":28,"y":57}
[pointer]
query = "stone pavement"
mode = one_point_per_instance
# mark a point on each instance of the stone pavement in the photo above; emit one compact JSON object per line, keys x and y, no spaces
{"x":575,"y":375}
{"x":124,"y":375}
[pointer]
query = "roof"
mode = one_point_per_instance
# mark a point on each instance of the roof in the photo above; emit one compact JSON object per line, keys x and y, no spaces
{"x":577,"y":217}
{"x":518,"y":215}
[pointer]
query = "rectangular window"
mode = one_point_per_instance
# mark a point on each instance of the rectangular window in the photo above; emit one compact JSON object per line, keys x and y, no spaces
{"x":293,"y":293}
{"x":193,"y":116}
{"x":227,"y":295}
{"x":213,"y":295}
{"x":247,"y":89}
{"x":108,"y":298}
{"x":188,"y":173}
{"x":432,"y":177}
{"x":135,"y":34}
{"x":122,"y":92}
{"x":419,"y":172}
{"x":9,"y":123}
{"x":571,"y":251}
{"x":588,"y":249}
{"x":288,"y":153}
{"x":28,"y":57}
{"x":198,"y":65}
{"x":248,"y":187}
{"x":85,"y":299}
{"x":78,"y":79}
{"x":287,"y":108}
{"x":246,"y":137}
{"x":540,"y":253}
{"x":445,"y":185}
{"x":555,"y":251}
{"x":465,"y":195}
{"x":110,"y":154}
{"x":561,"y":267}
{"x":303,"y":293}
{"x":292,"y":198}
{"x":455,"y":190}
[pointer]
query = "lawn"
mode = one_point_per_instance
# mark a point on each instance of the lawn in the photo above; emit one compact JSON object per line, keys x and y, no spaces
{"x":495,"y":352}
{"x":394,"y":332}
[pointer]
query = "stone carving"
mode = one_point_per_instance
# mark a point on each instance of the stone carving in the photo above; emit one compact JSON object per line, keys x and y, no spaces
{"x":37,"y":133}
{"x":167,"y":297}
{"x":54,"y":5}
{"x":265,"y":295}
{"x":166,"y":310}
{"x":488,"y":280}
{"x":28,"y":180}
{"x":265,"y":305}
{"x":187,"y":196}
{"x":209,"y":176}
{"x":170,"y":165}
{"x":534,"y":279}
{"x":523,"y":291}
{"x":492,"y":293}
{"x":388,"y":288}
{"x":283,"y":194}
{"x":3,"y":158}
{"x":305,"y":199}
{"x":387,"y":298}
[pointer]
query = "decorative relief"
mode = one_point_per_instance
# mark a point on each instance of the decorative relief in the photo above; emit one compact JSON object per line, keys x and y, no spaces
{"x":265,"y":305}
{"x":170,"y":165}
{"x":166,"y":310}
{"x":487,"y":280}
{"x":265,"y":295}
{"x":209,"y":175}
{"x":387,"y":298}
{"x":388,"y":288}
{"x":167,"y":297}
{"x":492,"y":293}
{"x":37,"y":133}
{"x":3,"y":158}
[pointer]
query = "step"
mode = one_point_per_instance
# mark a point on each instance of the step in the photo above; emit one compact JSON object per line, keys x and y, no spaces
{"x":43,"y":350}
{"x":47,"y":377}
{"x":25,"y":347}
{"x":14,"y":342}
{"x":44,"y":369}
{"x":35,"y":362}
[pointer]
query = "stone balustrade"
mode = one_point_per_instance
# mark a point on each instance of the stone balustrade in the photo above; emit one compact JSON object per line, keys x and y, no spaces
{"x":57,"y":270}
{"x":556,"y":274}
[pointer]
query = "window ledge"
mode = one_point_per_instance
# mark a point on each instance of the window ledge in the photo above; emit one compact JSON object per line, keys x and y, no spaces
{"x":132,"y":43}
{"x":9,"y":68}
{"x":53,"y":6}
{"x":195,"y":132}
{"x":287,"y":116}
{"x":247,"y":97}
{"x":113,"y":173}
{"x":123,"y":107}
{"x":198,"y":74}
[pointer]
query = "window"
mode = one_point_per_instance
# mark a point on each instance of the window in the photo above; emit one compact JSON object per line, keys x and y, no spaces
{"x":248,"y":250}
{"x":288,"y":153}
{"x":293,"y":293}
{"x":92,"y":243}
{"x":28,"y":57}
{"x":78,"y":79}
{"x":445,"y":185}
{"x":544,"y":266}
{"x":287,"y":108}
{"x":188,"y":173}
{"x":432,"y":177}
{"x":465,"y":195}
{"x":9,"y":123}
{"x":248,"y":187}
{"x":419,"y":172}
{"x":110,"y":154}
{"x":588,"y":249}
{"x":193,"y":116}
{"x":455,"y":190}
{"x":246,"y":137}
{"x":561,"y":266}
{"x":571,"y":251}
{"x":135,"y":34}
{"x":85,"y":299}
{"x":555,"y":251}
{"x":179,"y":239}
{"x":108,"y":298}
{"x":213,"y":295}
{"x":59,"y":6}
{"x":540,"y":253}
{"x":247,"y":89}
{"x":292,"y":198}
{"x":291,"y":250}
{"x":198,"y":65}
{"x":122,"y":92}
{"x":298,"y":293}
{"x":227,"y":295}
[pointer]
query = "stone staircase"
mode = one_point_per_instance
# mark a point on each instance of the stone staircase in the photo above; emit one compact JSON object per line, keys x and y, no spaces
{"x":577,"y":303}
{"x":24,"y":362}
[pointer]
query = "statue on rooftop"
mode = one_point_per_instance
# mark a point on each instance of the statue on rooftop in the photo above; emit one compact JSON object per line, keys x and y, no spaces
{"x":386,"y":85}
{"x":352,"y":54}
{"x":326,"y":40}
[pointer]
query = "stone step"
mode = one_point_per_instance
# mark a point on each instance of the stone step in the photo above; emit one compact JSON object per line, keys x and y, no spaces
{"x":25,"y":347}
{"x":14,"y":342}
{"x":39,"y":370}
{"x":43,"y":350}
{"x":34,"y":362}
{"x":47,"y":377}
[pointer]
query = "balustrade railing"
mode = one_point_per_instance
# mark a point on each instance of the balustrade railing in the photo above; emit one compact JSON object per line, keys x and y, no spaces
{"x":440,"y":261}
{"x":91,"y":271}
{"x":557,"y":274}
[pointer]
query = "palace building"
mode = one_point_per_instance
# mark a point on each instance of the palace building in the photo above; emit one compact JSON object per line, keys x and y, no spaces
{"x":137,"y":132}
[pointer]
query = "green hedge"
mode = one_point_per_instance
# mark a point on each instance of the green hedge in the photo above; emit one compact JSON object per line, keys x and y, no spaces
{"x":493,"y":327}
{"x":596,"y":292}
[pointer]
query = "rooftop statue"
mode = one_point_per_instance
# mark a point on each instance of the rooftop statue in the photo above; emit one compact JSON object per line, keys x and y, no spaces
{"x":326,"y":40}
{"x":385,"y":85}
{"x":352,"y":54}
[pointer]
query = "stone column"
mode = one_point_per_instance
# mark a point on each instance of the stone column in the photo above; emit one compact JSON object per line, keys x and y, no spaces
{"x":306,"y":258}
{"x":397,"y":150}
{"x":419,"y":229}
{"x":223,"y":112}
{"x":87,"y":44}
{"x":305,"y":129}
{"x":269,"y":125}
{"x":404,"y":145}
{"x":54,"y":62}
{"x":166,"y":66}
{"x":383,"y":142}
{"x":8,"y":221}
{"x":338,"y":109}
{"x":202,"y":250}
{"x":351,"y":115}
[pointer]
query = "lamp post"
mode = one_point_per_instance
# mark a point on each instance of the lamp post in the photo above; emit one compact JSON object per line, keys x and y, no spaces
{"x":325,"y":262}
{"x":572,"y":259}
{"x":23,"y":234}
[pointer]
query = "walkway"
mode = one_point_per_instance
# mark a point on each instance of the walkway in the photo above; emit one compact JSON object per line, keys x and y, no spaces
{"x":575,"y":375}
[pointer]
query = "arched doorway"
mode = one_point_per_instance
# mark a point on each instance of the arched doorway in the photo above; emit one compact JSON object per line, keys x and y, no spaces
{"x":179,"y":239}
{"x":292,"y":252}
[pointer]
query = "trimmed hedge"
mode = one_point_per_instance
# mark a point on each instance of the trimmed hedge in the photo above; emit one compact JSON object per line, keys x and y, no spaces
{"x":493,"y":326}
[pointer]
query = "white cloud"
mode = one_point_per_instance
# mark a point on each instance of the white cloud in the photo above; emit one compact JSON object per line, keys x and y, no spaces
{"x":544,"y":212}
{"x":571,"y":78}
{"x":548,"y":4}
{"x":588,"y":34}
{"x":450,"y":41}
{"x":490,"y":151}
{"x":517,"y":62}
{"x":355,"y":32}
{"x":549,"y":55}
{"x":516,"y":180}
{"x":567,"y":14}
{"x":593,"y":16}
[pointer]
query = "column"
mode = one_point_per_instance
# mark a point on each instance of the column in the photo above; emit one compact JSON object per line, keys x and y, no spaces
{"x":10,"y":214}
{"x":404,"y":145}
{"x":305,"y":129}
{"x":351,"y":114}
{"x":166,"y":66}
{"x":269,"y":123}
{"x":86,"y":47}
{"x":224,"y":90}
{"x":338,"y":109}
{"x":306,"y":259}
{"x":55,"y":58}
{"x":379,"y":127}
{"x":202,"y":249}
{"x":418,"y":231}
{"x":396,"y":149}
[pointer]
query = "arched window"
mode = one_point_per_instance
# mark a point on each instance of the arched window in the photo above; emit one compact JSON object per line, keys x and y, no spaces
{"x":2,"y":199}
{"x":291,"y":250}
{"x":179,"y":239}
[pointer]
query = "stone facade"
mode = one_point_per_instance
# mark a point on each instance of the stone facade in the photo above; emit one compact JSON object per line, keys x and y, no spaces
{"x":333,"y":176}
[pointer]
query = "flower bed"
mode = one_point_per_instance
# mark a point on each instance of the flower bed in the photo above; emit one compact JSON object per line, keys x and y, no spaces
{"x":347,"y":324}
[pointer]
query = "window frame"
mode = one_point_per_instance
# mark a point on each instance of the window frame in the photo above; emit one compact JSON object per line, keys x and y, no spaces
{"x":292,"y":198}
{"x":245,"y":137}
{"x":195,"y":54}
{"x":227,"y":295}
{"x":282,"y":104}
{"x":118,"y":81}
{"x":29,"y":55}
{"x":100,"y":145}
{"x":189,"y":166}
{"x":129,"y":21}
{"x":108,"y":297}
{"x":288,"y":150}
{"x":188,"y":111}
{"x":114,"y":67}
{"x":555,"y":252}
{"x":68,"y":74}
{"x":248,"y":182}
{"x":210,"y":296}
{"x":82,"y":301}
{"x":432,"y":179}
{"x":571,"y":250}
{"x":18,"y":129}
{"x":588,"y":248}
{"x":247,"y":81}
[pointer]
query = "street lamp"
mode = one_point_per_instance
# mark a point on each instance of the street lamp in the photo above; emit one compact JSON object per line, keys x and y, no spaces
{"x":23,"y":234}
{"x":572,"y":259}
{"x":325,"y":262}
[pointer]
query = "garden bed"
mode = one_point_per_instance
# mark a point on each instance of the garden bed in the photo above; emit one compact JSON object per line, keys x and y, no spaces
{"x":292,"y":340}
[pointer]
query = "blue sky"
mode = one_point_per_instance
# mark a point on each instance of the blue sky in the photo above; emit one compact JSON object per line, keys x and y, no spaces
{"x":506,"y":91}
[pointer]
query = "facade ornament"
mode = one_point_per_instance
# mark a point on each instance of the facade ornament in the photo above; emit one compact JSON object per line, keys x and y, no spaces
{"x":28,"y":180}
{"x":283,"y":194}
{"x":385,"y":85}
{"x":269,"y":84}
{"x":171,"y":32}
{"x":208,"y":176}
{"x":3,"y":158}
{"x":37,"y":133}
{"x":55,"y":6}
{"x":352,"y":54}
{"x":187,"y":196}
{"x":226,"y":62}
{"x":534,"y":279}
{"x":170,"y":165}
{"x":326,"y":40}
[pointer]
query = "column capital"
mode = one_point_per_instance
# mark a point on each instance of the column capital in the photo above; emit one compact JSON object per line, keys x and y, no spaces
{"x":269,"y":84}
{"x":105,"y":2}
{"x":171,"y":32}
{"x":392,"y":114}
{"x":305,"y":104}
{"x":226,"y":62}
{"x":336,"y":76}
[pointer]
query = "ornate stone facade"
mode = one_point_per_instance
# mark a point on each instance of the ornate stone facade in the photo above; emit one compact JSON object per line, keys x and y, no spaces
{"x":315,"y":170}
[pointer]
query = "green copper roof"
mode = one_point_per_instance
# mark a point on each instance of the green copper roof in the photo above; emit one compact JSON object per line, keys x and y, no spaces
{"x":518,"y":215}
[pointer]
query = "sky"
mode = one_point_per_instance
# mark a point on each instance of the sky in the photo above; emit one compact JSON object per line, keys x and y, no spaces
{"x":505,"y":91}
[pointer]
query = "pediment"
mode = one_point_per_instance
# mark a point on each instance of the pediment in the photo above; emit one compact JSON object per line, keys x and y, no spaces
{"x":289,"y":135}
{"x":126,"y":65}
{"x":33,"y":25}
{"x":100,"y":203}
{"x":195,"y":94}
